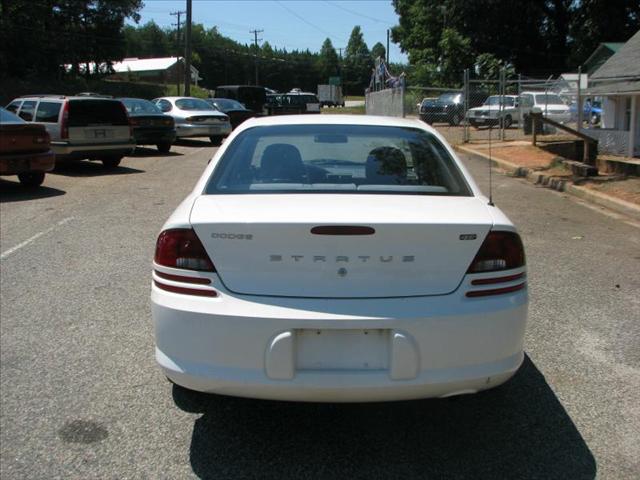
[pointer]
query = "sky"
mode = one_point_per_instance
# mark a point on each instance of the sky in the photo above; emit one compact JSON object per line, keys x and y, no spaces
{"x":290,"y":24}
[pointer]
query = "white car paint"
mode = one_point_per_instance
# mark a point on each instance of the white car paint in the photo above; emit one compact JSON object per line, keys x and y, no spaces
{"x":382,"y":334}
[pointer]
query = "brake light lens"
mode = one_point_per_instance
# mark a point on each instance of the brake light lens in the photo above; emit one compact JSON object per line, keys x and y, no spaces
{"x":181,"y":248}
{"x":499,"y":251}
{"x":64,"y":127}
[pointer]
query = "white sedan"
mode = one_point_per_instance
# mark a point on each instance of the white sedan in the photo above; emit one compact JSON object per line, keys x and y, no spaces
{"x":338,"y":259}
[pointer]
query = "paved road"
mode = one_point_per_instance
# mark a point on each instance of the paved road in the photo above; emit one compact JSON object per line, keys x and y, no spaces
{"x":354,"y":103}
{"x":82,"y":398}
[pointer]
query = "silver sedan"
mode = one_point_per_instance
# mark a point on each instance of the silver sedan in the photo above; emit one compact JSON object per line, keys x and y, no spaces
{"x":195,"y":118}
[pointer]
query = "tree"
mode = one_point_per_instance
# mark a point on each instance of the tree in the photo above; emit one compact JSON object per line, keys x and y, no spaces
{"x":328,"y":62}
{"x":378,"y":50}
{"x":357,"y":64}
{"x":457,"y":55}
{"x":37,"y":37}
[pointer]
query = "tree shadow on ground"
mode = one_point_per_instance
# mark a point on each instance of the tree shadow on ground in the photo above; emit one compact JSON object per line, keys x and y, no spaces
{"x":192,"y":142}
{"x":143,"y":152}
{"x":519,"y":430}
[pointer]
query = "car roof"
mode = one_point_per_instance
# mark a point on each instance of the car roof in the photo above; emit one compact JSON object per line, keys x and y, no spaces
{"x":62,"y":97}
{"x":179,"y":98}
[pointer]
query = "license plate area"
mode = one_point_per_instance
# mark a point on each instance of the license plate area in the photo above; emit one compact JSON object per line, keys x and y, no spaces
{"x":333,"y":349}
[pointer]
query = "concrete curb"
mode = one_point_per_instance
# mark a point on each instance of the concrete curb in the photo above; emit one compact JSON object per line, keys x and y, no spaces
{"x":561,"y":185}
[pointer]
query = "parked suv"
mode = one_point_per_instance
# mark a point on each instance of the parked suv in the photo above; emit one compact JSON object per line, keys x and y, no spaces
{"x":496,"y":110}
{"x":292,"y":103}
{"x":448,"y":107}
{"x":80,"y":127}
{"x":550,"y":104}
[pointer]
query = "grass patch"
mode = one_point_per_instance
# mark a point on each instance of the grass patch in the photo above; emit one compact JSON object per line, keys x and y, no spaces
{"x":198,"y":92}
{"x":344,"y":110}
{"x":355,"y":97}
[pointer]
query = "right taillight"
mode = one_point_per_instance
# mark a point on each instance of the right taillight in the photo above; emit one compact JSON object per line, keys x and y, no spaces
{"x":181,"y":248}
{"x":499,"y":251}
{"x":64,"y":127}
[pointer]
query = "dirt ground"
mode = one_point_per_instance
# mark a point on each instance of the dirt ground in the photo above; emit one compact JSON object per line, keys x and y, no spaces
{"x":627,"y":189}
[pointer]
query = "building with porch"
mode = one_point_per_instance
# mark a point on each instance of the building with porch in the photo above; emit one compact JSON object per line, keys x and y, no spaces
{"x":617,"y":82}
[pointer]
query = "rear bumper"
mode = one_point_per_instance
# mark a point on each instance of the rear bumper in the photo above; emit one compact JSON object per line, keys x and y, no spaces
{"x":71,"y":151}
{"x":153,"y":136}
{"x":29,"y":162}
{"x":188,"y":130}
{"x":253,"y":346}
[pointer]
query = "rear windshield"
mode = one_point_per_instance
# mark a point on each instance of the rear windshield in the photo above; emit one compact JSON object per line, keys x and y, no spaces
{"x":96,"y":112}
{"x":449,"y":97}
{"x":337,"y":159}
{"x":226,"y":104}
{"x":548,"y":99}
{"x":138,"y":106}
{"x":192,"y":104}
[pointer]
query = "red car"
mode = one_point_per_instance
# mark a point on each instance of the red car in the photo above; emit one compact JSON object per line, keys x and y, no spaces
{"x":25,"y":149}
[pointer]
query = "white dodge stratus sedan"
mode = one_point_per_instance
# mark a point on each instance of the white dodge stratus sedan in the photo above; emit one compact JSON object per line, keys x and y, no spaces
{"x":338,"y":259}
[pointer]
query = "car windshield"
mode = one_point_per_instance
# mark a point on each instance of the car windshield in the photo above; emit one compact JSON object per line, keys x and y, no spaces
{"x":225,"y":104}
{"x":192,"y":104}
{"x":548,"y":99}
{"x":8,"y":117}
{"x":448,"y":97}
{"x":495,"y":100}
{"x":337,"y":159}
{"x":137,"y":106}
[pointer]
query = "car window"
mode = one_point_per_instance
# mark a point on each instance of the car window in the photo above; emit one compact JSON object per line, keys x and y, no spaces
{"x":226,"y":104}
{"x":96,"y":112}
{"x":164,"y":105}
{"x":548,"y":99}
{"x":527,"y":100}
{"x":27,"y":110}
{"x":137,"y":106}
{"x":48,"y":112}
{"x":14,"y":106}
{"x":495,"y":100}
{"x":192,"y":104}
{"x":337,"y":158}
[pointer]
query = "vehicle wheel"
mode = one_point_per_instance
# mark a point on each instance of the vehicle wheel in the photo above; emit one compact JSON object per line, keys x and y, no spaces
{"x":473,"y":124}
{"x":455,"y":120}
{"x":164,"y":147}
{"x":111,"y":162}
{"x":216,"y":140}
{"x":31,"y":179}
{"x":508,"y":121}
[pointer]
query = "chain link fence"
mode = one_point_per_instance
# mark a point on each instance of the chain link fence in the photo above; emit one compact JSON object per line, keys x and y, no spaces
{"x":496,"y":108}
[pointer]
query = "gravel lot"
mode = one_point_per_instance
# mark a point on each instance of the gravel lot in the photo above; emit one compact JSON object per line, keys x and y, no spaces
{"x":81,"y":396}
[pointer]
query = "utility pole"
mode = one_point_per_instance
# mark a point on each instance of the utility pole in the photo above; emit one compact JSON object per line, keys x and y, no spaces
{"x":387,"y":46}
{"x":255,"y":40}
{"x":177,"y":14}
{"x":187,"y":60}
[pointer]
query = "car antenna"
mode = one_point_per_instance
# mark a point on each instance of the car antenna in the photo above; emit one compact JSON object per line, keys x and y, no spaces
{"x":490,"y":176}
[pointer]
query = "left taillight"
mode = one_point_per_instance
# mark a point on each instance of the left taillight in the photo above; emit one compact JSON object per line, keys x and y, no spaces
{"x":181,"y":248}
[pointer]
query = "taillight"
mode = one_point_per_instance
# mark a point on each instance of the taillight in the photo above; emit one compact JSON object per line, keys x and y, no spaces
{"x":133,"y":121}
{"x":499,"y":251}
{"x":64,"y":126}
{"x":181,"y":248}
{"x":43,"y":139}
{"x":129,"y":121}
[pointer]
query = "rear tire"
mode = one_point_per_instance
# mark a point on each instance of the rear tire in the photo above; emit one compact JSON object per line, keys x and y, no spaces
{"x":508,"y":121}
{"x":216,"y":140}
{"x":31,"y":179}
{"x":111,"y":162}
{"x":455,"y":120}
{"x":164,"y":147}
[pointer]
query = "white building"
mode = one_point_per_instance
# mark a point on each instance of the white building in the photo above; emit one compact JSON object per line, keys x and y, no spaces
{"x":617,"y":81}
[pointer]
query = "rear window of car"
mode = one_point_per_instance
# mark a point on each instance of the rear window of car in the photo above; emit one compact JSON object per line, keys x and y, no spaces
{"x":48,"y":112}
{"x":96,"y":112}
{"x":192,"y":104}
{"x":138,"y":106}
{"x":337,"y":159}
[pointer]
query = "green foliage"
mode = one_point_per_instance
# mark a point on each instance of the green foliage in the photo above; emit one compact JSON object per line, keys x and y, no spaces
{"x":38,"y":36}
{"x":378,"y":50}
{"x":357,"y":63}
{"x":328,"y":62}
{"x":534,"y":38}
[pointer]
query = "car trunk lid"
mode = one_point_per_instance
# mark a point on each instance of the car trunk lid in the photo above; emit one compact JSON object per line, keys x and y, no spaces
{"x":264,"y":245}
{"x":23,"y":138}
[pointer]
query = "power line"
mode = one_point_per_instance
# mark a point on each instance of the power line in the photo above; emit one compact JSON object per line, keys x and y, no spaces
{"x":358,"y":14}
{"x":301,"y":18}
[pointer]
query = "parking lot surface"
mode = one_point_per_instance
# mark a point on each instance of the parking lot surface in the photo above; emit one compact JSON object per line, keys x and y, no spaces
{"x":81,"y":396}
